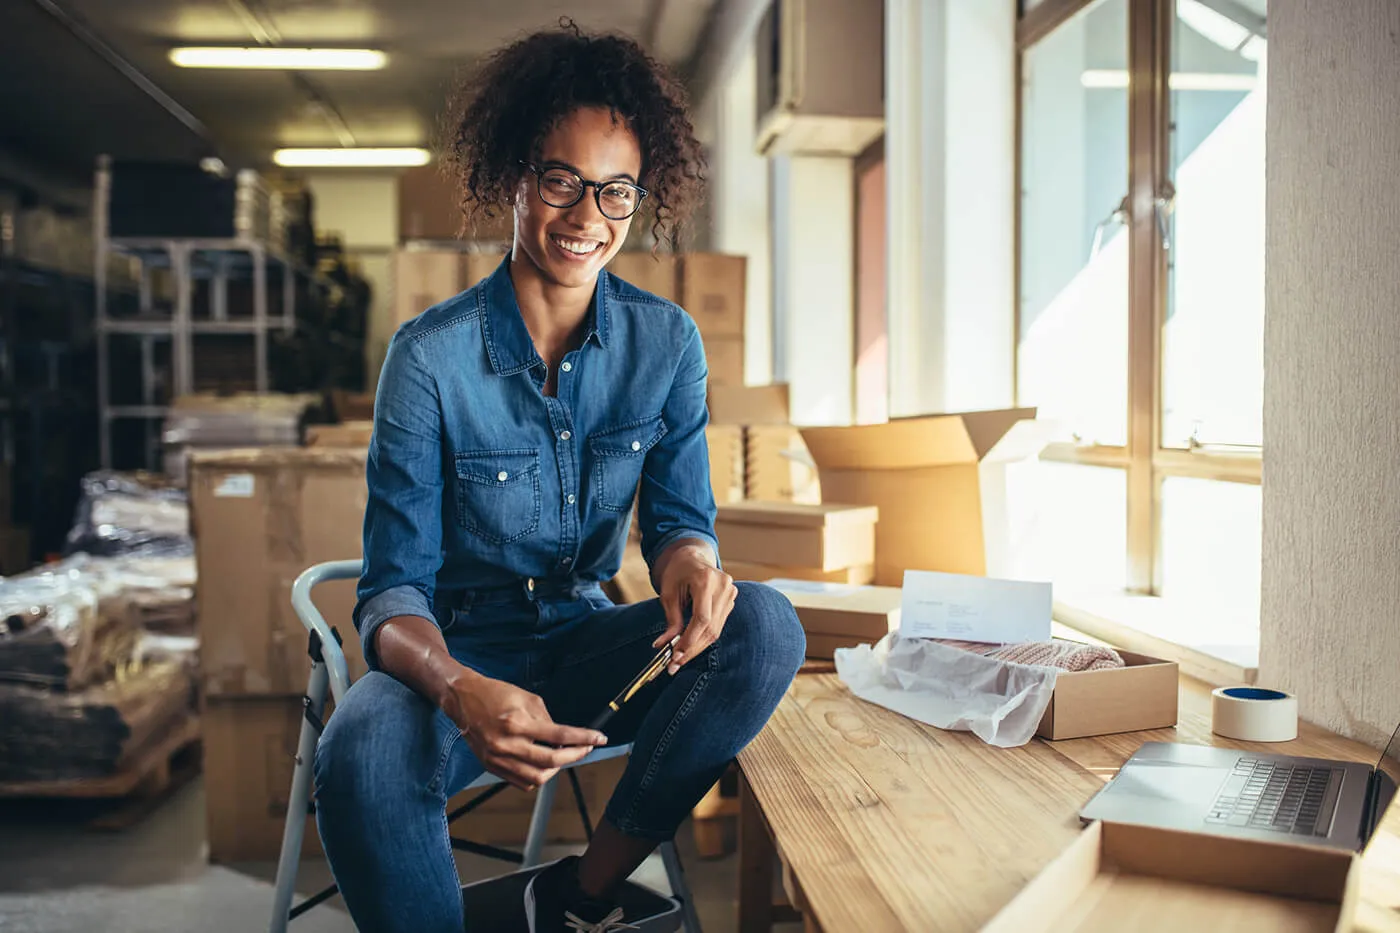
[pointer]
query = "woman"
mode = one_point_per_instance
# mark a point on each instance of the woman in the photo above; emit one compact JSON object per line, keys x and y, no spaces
{"x":513,"y":425}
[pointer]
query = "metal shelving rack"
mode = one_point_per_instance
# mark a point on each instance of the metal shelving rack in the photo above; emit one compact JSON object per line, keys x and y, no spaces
{"x":219,"y":261}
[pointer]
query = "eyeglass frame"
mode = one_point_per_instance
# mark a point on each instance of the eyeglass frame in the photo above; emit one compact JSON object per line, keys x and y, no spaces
{"x":584,"y":185}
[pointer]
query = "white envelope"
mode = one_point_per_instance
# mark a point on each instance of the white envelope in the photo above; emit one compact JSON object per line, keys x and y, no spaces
{"x":969,"y":608}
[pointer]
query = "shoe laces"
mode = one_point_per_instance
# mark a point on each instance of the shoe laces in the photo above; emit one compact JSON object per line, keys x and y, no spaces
{"x":612,"y":921}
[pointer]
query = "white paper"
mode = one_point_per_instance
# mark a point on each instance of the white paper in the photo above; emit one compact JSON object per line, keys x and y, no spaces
{"x":968,"y":608}
{"x":235,"y":485}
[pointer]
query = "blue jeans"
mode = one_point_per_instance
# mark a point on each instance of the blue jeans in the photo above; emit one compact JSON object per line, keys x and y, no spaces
{"x":389,"y":759}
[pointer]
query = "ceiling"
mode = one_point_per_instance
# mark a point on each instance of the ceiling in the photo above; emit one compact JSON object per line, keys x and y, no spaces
{"x":85,"y":77}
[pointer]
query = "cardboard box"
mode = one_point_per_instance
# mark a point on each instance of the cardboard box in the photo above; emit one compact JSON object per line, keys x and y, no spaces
{"x":1117,"y":876}
{"x":352,"y":406}
{"x":713,"y":291}
{"x":778,"y":466}
{"x":836,"y":616}
{"x":726,"y":445}
{"x":421,"y":278}
{"x":749,"y":405}
{"x":430,"y":209}
{"x":941,"y":486}
{"x":1142,"y":695}
{"x":249,"y":755}
{"x":349,"y":434}
{"x":745,"y":570}
{"x":725,"y":356}
{"x":656,"y":274}
{"x":260,"y":517}
{"x":824,"y":537}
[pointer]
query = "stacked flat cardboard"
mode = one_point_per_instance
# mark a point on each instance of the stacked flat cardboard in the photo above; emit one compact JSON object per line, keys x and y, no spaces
{"x":822,"y":538}
{"x":347,"y":434}
{"x":777,"y":465}
{"x":421,"y":278}
{"x":941,"y":486}
{"x":840,"y":616}
{"x":726,"y":445}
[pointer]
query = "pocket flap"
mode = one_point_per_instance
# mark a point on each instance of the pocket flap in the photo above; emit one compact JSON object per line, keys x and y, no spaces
{"x":497,"y":467}
{"x":629,"y":440}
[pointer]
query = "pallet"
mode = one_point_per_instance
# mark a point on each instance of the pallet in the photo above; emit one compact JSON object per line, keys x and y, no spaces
{"x":138,"y":788}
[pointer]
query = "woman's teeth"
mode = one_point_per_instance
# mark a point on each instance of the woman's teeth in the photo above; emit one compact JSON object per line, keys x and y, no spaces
{"x":577,"y":247}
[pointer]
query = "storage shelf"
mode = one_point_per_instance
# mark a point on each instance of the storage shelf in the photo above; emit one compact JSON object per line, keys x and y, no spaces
{"x":163,"y":327}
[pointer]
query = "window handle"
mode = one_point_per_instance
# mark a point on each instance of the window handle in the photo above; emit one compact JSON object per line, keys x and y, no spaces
{"x":1119,"y":216}
{"x":1162,"y":206}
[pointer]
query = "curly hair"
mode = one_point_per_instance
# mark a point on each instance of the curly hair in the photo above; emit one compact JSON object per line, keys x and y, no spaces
{"x":502,"y":114}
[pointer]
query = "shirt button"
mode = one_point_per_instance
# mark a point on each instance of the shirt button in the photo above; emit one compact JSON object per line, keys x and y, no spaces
{"x":566,"y":366}
{"x":567,"y":561}
{"x":565,"y":435}
{"x":502,"y":476}
{"x":530,"y":584}
{"x":570,"y":500}
{"x":636,"y":445}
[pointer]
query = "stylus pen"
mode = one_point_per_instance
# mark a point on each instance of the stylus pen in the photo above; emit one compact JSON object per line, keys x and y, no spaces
{"x":648,"y":674}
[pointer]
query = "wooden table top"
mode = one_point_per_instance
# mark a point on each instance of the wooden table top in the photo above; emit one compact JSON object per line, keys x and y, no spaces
{"x":887,"y":824}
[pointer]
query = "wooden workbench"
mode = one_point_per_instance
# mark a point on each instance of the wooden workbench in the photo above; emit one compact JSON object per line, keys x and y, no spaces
{"x":884,"y":824}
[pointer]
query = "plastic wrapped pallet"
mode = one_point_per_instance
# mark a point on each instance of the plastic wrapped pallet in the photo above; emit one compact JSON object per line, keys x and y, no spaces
{"x":131,"y":513}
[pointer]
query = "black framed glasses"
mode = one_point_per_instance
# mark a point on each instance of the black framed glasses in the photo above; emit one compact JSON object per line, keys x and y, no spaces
{"x":561,"y":188}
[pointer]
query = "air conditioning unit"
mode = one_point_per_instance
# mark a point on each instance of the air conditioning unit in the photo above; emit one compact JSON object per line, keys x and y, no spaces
{"x":821,"y":77}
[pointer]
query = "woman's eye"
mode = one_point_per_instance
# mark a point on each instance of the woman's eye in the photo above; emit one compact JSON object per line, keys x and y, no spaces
{"x":620,"y":193}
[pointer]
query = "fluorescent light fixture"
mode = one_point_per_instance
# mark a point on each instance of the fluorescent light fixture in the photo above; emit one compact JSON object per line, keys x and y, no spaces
{"x":351,"y":158}
{"x":1213,"y":25}
{"x":280,"y":58}
{"x":1179,"y":81}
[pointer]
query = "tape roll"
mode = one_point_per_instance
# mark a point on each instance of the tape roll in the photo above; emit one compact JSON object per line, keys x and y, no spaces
{"x":1254,"y":714}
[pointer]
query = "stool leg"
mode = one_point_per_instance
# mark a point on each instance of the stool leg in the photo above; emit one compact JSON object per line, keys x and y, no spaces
{"x":290,"y":857}
{"x":680,"y":888}
{"x":539,"y":824}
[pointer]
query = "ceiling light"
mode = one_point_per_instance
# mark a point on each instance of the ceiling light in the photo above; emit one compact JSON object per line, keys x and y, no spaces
{"x":351,"y":158}
{"x":1179,"y":81}
{"x":1213,"y":25}
{"x":281,"y":58}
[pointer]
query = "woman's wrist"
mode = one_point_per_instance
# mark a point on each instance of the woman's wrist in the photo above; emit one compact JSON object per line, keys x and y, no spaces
{"x":682,"y":551}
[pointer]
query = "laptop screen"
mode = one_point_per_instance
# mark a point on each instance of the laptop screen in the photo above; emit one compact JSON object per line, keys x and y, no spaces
{"x":1387,"y":779}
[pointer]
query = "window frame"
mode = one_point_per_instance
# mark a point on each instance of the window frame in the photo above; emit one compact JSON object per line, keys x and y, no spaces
{"x":1145,"y":459}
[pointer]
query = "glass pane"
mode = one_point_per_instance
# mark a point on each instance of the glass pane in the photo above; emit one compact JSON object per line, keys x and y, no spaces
{"x":1073,"y":340}
{"x":1213,"y":345}
{"x":1211,"y":547}
{"x":1073,"y":524}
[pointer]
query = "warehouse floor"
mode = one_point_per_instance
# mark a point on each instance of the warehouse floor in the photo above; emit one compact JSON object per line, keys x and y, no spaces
{"x":56,"y":876}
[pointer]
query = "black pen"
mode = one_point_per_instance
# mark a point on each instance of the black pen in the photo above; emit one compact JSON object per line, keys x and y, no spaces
{"x":648,"y":674}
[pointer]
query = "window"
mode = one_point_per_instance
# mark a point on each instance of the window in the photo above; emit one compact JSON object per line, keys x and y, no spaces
{"x":1140,"y":306}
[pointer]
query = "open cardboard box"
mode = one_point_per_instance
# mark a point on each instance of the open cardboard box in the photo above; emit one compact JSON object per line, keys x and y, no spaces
{"x":1141,"y":695}
{"x":1118,"y":876}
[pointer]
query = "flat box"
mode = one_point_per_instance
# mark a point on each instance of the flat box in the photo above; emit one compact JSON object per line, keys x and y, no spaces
{"x":822,"y":537}
{"x":846,"y":617}
{"x":1117,"y":876}
{"x":249,"y":754}
{"x":778,"y":466}
{"x":260,"y":517}
{"x":725,"y":356}
{"x":1142,"y":695}
{"x":749,"y":405}
{"x":430,"y":209}
{"x":746,"y":570}
{"x":726,"y":445}
{"x":348,"y":434}
{"x":656,"y":274}
{"x":421,"y":278}
{"x":713,"y":291}
{"x":941,"y":484}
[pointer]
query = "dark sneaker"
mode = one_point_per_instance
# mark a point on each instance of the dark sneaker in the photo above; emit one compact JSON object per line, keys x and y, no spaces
{"x":554,"y":903}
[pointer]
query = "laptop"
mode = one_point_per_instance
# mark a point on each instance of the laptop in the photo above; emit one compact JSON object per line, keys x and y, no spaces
{"x":1228,"y":792}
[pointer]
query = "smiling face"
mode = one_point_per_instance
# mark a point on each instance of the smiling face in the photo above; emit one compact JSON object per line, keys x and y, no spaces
{"x":567,"y":246}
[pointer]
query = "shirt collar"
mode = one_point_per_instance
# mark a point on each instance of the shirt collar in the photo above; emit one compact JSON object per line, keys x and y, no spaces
{"x":508,"y":342}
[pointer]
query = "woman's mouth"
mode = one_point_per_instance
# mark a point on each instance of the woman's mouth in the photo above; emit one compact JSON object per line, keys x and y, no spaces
{"x":574,"y":248}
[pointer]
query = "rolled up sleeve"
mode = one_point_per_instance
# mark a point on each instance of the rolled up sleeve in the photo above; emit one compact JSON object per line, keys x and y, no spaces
{"x":403,"y":514}
{"x":676,"y":500}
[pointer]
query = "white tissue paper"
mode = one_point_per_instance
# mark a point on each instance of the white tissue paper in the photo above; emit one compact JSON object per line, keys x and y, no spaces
{"x":1000,"y":702}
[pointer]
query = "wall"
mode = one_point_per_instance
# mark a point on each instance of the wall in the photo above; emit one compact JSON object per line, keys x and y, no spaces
{"x":1331,"y":510}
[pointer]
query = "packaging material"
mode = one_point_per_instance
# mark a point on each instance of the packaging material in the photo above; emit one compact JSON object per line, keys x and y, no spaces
{"x":1117,"y":876}
{"x":46,"y":735}
{"x":975,"y":608}
{"x":726,"y":445}
{"x":713,"y":291}
{"x":250,"y":748}
{"x":430,"y":209}
{"x":941,"y":485}
{"x":261,"y":517}
{"x":656,"y":274}
{"x":749,"y":405}
{"x":746,"y":570}
{"x":836,"y":615}
{"x":778,"y":467}
{"x":130,"y":513}
{"x":1143,"y":694}
{"x":349,"y":434}
{"x":248,"y":419}
{"x":823,"y":537}
{"x":1254,"y":714}
{"x":421,"y":278}
{"x":725,"y":357}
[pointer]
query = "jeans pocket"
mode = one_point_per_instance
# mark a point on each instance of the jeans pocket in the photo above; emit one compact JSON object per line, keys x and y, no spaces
{"x":618,"y":456}
{"x":498,"y":494}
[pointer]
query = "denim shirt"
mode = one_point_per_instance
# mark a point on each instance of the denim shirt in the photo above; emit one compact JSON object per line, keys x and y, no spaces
{"x":479,"y":481}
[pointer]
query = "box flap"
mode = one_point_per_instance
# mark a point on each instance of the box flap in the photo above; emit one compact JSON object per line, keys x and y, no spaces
{"x":764,"y":405}
{"x":898,"y":445}
{"x":795,"y":514}
{"x":988,"y":428}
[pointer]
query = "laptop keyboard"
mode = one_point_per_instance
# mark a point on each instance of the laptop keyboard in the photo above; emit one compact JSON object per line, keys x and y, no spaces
{"x":1273,"y":796}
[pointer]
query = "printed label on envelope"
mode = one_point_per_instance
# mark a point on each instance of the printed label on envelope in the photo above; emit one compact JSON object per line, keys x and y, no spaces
{"x":968,"y":608}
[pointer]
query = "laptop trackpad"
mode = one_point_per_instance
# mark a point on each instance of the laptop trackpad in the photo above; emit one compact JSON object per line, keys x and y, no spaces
{"x":1162,"y":794}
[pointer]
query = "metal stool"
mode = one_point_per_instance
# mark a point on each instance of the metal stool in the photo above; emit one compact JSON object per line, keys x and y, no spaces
{"x":328,"y":667}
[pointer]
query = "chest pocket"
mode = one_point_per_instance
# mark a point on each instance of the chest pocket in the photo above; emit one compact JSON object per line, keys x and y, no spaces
{"x":618,"y":455}
{"x":498,"y":494}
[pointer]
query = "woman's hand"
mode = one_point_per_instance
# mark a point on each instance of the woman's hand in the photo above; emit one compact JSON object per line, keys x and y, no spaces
{"x":510,"y":731}
{"x":688,"y":576}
